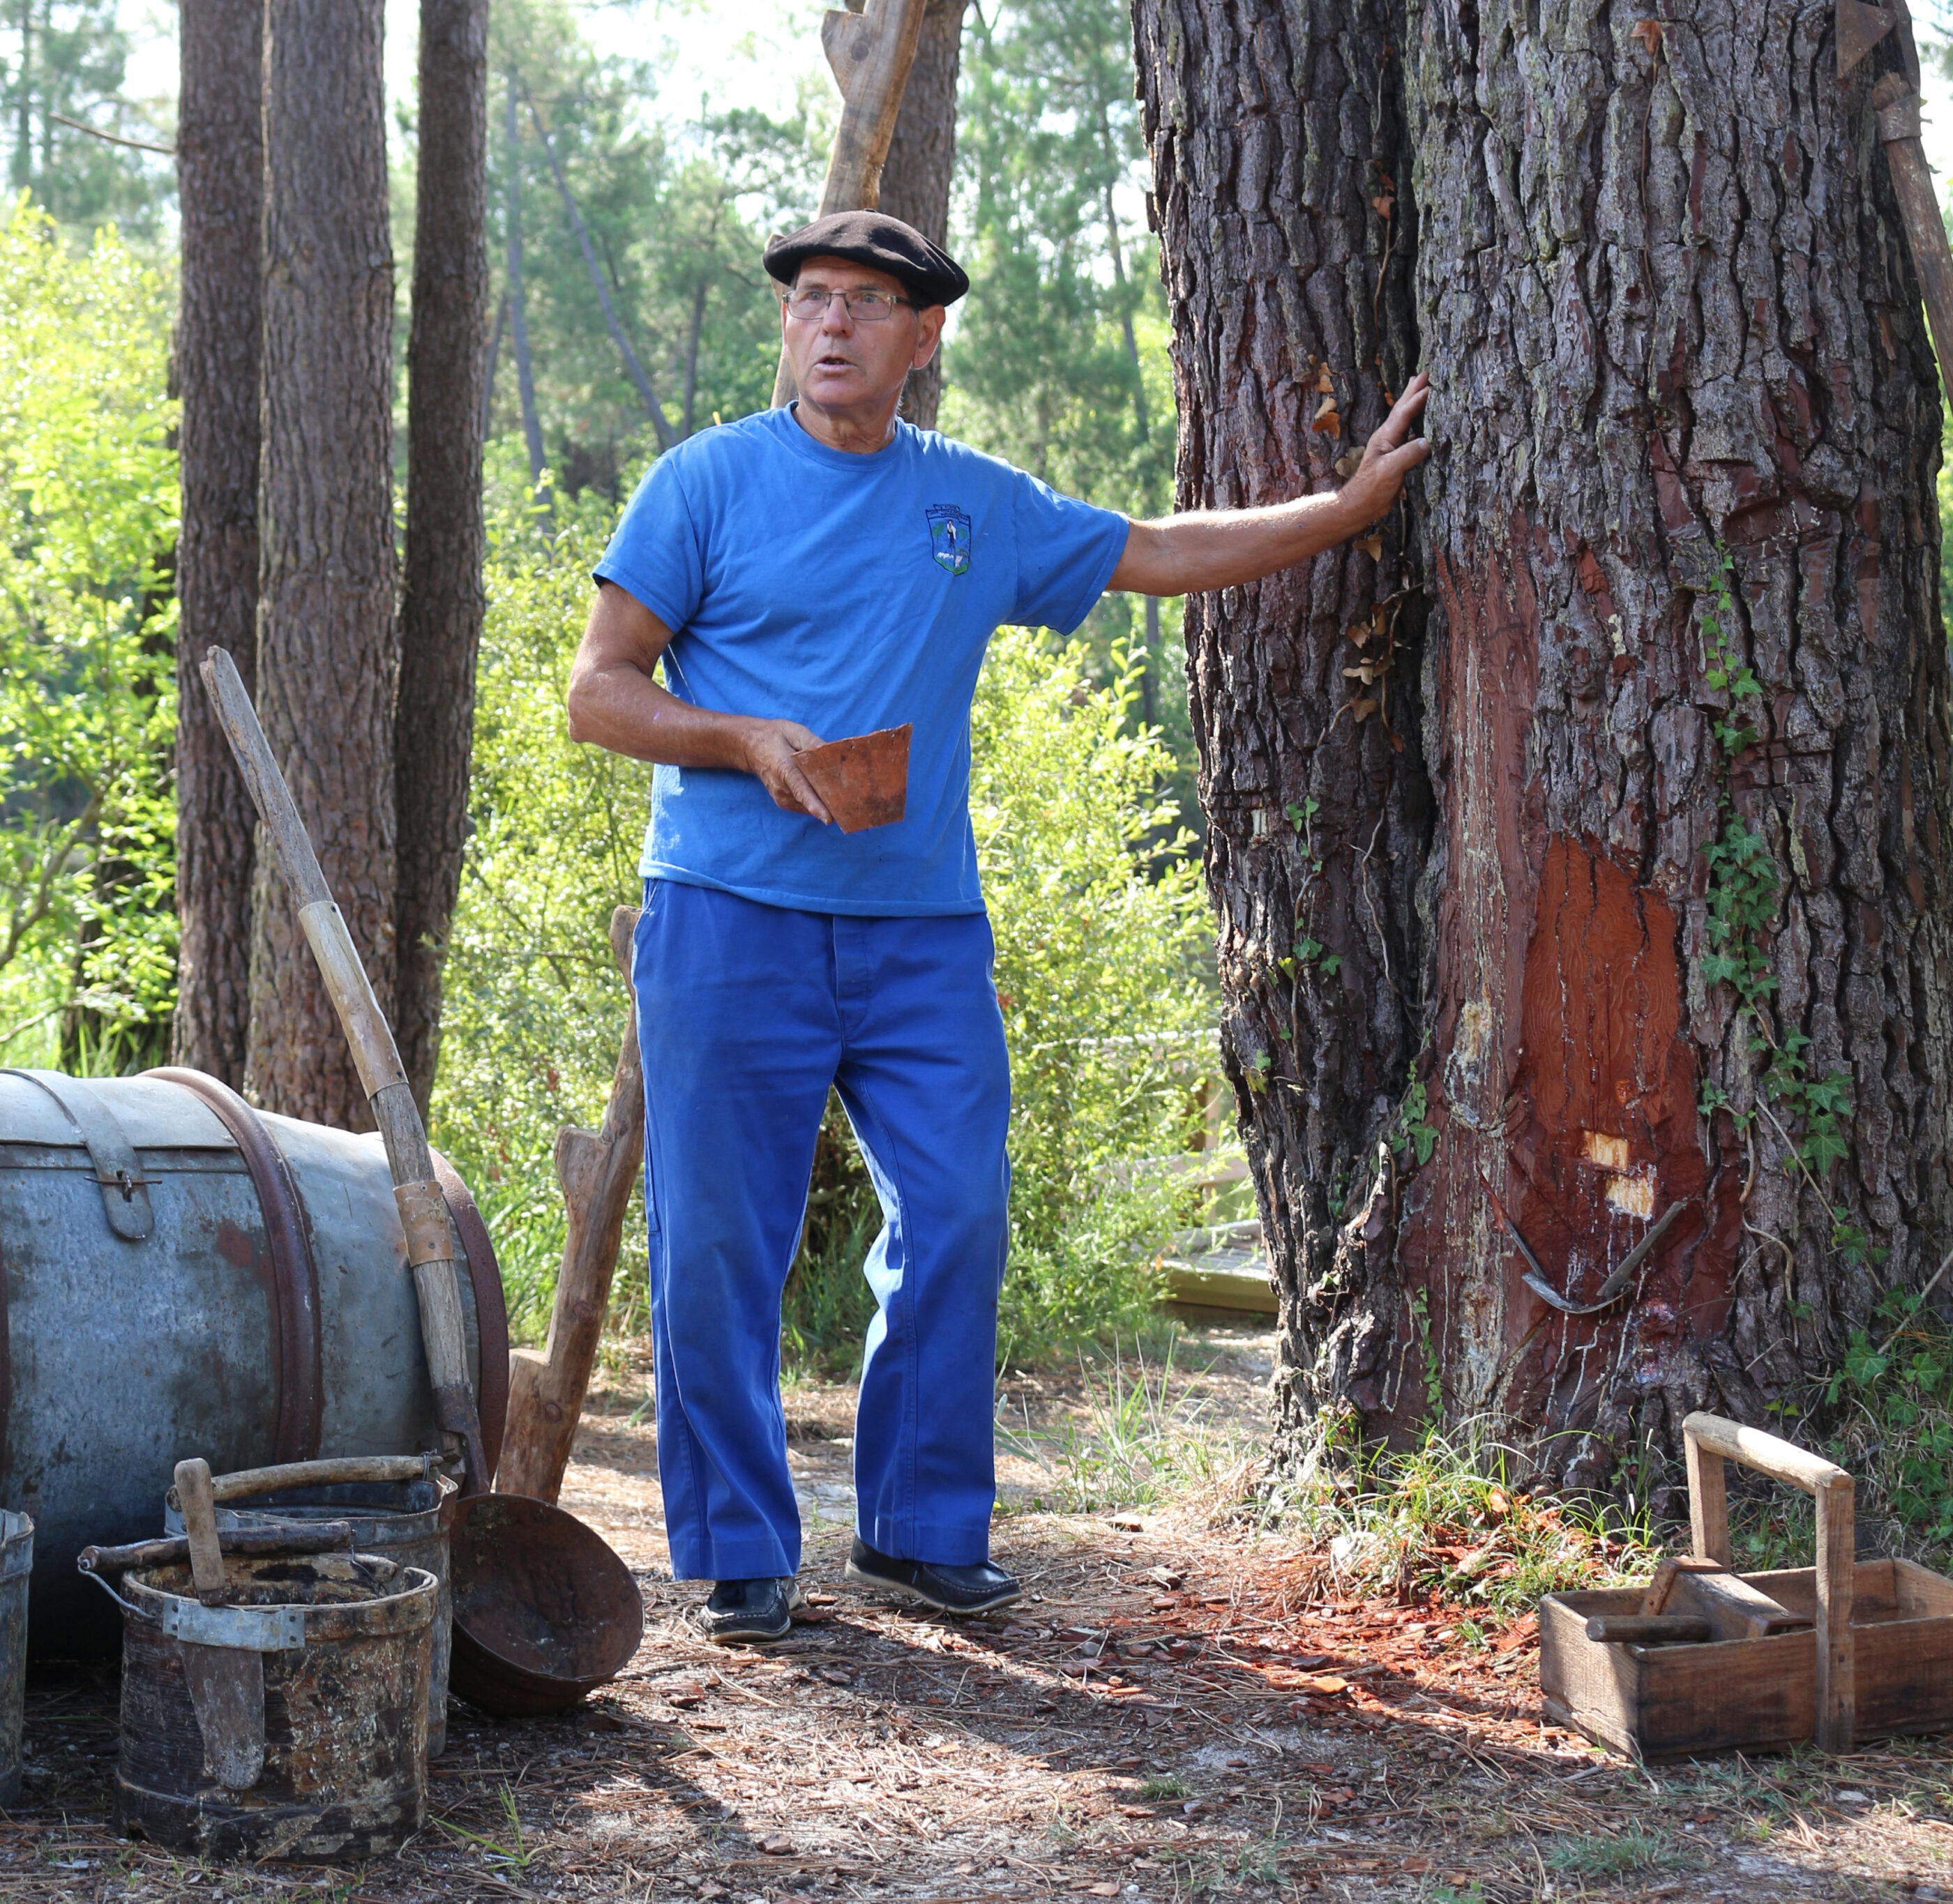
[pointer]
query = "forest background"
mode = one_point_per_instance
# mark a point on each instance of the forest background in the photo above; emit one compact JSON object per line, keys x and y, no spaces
{"x":679,"y":141}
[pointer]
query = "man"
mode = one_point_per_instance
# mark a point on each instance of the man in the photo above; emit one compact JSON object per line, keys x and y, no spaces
{"x":804,"y":574}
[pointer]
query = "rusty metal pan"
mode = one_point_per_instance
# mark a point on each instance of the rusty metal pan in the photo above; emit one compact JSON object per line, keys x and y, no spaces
{"x":864,"y":780}
{"x":544,"y":1612}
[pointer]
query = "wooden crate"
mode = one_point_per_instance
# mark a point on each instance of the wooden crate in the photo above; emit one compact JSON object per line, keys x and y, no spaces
{"x":1671,"y":1701}
{"x":1877,"y":1660}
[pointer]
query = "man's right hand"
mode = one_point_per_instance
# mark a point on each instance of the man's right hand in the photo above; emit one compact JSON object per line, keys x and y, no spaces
{"x":770,"y":748}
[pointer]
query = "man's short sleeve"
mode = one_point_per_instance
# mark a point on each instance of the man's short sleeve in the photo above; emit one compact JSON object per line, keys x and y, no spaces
{"x":655,"y":554}
{"x":1066,"y":551}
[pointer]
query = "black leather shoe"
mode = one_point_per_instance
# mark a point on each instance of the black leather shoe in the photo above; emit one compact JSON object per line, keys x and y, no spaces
{"x":750,"y":1613}
{"x":948,"y":1589}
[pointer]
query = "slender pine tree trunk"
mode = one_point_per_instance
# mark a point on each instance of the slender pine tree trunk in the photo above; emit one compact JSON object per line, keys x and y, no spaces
{"x":441,"y":600}
{"x":221,"y":189}
{"x":922,"y":163}
{"x":518,"y":319}
{"x":327,"y":650}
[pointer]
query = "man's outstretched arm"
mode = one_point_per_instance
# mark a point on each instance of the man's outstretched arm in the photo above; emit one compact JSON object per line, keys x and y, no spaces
{"x":1221,"y":548}
{"x":614,"y":702}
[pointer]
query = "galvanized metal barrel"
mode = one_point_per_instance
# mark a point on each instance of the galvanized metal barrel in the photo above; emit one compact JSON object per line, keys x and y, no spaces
{"x":320,"y":1697}
{"x":16,"y":1561}
{"x":180,"y":1275}
{"x":398,"y":1517}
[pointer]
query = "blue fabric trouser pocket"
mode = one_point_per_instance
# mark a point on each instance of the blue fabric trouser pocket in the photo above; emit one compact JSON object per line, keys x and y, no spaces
{"x":747,"y":1013}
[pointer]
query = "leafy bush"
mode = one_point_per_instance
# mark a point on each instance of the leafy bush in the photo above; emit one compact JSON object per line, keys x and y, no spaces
{"x":1099,"y":941}
{"x":88,"y":492}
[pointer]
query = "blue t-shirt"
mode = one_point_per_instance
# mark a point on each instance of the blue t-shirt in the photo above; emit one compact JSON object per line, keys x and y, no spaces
{"x":847,"y":593}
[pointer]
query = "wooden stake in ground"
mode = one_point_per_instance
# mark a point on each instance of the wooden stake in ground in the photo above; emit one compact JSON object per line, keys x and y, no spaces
{"x":596,"y":1170}
{"x":871,"y":52}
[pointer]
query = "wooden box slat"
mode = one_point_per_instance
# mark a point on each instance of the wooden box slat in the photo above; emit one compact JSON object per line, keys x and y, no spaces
{"x":1672,"y":1702}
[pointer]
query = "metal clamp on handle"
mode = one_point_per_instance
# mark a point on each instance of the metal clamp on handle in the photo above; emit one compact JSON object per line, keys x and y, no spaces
{"x":1710,"y":1441}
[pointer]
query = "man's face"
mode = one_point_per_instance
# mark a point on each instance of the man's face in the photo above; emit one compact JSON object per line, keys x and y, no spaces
{"x":843,"y":363}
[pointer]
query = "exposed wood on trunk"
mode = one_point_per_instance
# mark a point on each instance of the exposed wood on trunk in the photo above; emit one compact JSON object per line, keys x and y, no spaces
{"x":327,"y":652}
{"x":922,"y":162}
{"x":871,"y":53}
{"x":221,"y":189}
{"x":596,"y":1170}
{"x":1286,"y":249}
{"x":441,"y":599}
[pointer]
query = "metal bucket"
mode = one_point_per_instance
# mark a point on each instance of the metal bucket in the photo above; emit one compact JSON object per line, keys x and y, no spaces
{"x":16,"y":1561}
{"x":399,"y":1516}
{"x":181,"y":1275}
{"x":334,"y":1648}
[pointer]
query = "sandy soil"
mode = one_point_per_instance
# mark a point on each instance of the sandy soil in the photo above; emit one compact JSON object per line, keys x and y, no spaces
{"x":1171,"y":1712}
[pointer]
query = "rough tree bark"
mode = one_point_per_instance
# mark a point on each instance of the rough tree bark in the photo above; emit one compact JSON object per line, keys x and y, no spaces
{"x":220,"y":187}
{"x":922,"y":162}
{"x":441,"y":599}
{"x":1285,"y":252}
{"x":1665,"y":304}
{"x":327,"y":655}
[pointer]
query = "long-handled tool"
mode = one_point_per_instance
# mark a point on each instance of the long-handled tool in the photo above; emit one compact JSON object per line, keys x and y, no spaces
{"x":545,"y":1611}
{"x":423,"y":1209}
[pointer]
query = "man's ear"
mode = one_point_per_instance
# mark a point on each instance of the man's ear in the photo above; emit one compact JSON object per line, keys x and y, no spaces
{"x":928,"y":334}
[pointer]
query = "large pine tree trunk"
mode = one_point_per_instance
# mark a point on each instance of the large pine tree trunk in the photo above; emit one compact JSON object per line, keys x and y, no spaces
{"x":922,"y":163}
{"x":1666,"y":308}
{"x":327,"y":655}
{"x":1286,"y":253}
{"x":219,"y":182}
{"x":441,"y":596}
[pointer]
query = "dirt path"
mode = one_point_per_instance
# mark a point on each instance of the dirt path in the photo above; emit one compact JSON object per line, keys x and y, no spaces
{"x":1155,"y":1722}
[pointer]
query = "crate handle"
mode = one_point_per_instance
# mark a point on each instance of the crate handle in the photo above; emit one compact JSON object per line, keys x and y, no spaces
{"x":1710,"y":1440}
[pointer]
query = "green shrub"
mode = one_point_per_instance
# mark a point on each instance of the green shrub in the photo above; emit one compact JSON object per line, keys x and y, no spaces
{"x":88,"y":492}
{"x":1098,"y":934}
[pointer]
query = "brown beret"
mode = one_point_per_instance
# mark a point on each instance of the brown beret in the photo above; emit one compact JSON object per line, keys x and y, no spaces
{"x":930,"y":275}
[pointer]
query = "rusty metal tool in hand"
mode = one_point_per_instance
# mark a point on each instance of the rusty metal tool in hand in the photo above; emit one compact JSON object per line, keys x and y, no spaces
{"x":423,"y":1209}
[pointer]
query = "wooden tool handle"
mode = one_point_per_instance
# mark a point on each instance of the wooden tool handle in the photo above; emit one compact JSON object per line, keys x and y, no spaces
{"x":1897,"y":104}
{"x":314,"y":1537}
{"x":249,"y":1481}
{"x":1646,"y":1629}
{"x":422,"y":1208}
{"x":1709,"y":1441}
{"x":199,"y":1514}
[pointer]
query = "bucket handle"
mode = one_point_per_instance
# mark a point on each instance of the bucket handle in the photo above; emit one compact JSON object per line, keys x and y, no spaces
{"x":322,"y":1474}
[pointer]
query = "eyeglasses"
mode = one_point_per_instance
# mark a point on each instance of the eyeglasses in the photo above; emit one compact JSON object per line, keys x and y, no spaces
{"x":864,"y":307}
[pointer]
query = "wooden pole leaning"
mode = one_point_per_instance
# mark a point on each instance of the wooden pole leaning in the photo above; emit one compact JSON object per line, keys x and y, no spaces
{"x":1710,"y":1441}
{"x":596,"y":1170}
{"x":1897,"y":104}
{"x":423,"y":1209}
{"x":871,"y":52}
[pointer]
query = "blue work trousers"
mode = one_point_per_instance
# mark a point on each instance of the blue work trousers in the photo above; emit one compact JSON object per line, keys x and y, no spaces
{"x":747,"y":1014}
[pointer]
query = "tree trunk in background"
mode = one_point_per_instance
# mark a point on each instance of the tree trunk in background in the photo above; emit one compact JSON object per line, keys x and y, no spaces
{"x":519,"y":320}
{"x":921,"y":162}
{"x":220,"y":187}
{"x":1683,"y":317}
{"x":1667,"y":309}
{"x":441,"y":598}
{"x":327,"y":655}
{"x":1286,"y":267}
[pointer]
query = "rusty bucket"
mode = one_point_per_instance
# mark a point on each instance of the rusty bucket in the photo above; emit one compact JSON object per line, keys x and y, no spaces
{"x":544,"y":1612}
{"x":16,"y":1563}
{"x":396,"y":1506}
{"x":288,"y":1721}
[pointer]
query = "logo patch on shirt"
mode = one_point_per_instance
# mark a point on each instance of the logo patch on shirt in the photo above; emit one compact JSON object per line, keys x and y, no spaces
{"x":949,"y":538}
